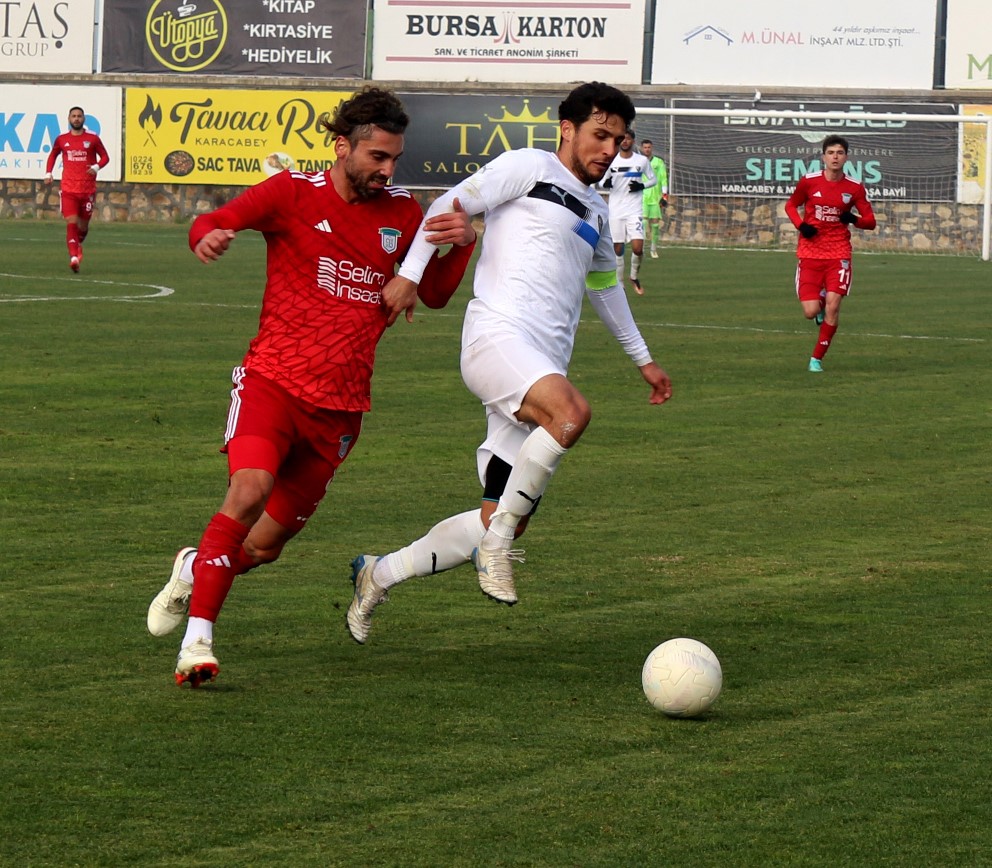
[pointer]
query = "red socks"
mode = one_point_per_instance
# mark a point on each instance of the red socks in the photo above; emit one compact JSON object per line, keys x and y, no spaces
{"x":827,"y":333}
{"x":219,"y":558}
{"x":72,"y":238}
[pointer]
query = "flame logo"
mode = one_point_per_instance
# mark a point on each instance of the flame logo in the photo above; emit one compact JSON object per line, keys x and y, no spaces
{"x":150,"y":119}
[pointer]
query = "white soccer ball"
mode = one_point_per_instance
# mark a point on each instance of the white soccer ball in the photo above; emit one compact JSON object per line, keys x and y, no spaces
{"x":682,"y":677}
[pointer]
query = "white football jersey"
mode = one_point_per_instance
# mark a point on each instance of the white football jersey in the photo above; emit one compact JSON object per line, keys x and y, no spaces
{"x":625,"y":202}
{"x":545,"y":231}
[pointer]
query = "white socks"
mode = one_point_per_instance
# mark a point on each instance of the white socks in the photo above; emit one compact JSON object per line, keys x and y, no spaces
{"x":635,"y":264}
{"x":620,"y":269}
{"x":532,"y":469}
{"x":197,"y":628}
{"x":445,"y":546}
{"x":186,"y":570}
{"x":449,"y":543}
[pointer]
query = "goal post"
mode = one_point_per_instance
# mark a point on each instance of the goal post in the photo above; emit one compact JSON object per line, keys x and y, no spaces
{"x":730,"y":170}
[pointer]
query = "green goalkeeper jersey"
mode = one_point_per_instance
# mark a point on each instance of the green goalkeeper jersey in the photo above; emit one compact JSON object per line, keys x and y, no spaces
{"x":652,"y":195}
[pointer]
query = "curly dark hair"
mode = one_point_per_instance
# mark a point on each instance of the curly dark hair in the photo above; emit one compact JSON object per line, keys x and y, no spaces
{"x":593,"y":96}
{"x":371,"y":107}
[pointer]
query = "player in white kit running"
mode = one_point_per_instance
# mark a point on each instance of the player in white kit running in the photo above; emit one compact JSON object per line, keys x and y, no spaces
{"x":546,"y":245}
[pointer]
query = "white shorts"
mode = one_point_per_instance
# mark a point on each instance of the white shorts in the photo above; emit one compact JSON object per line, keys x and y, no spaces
{"x":499,"y":368}
{"x":628,"y":228}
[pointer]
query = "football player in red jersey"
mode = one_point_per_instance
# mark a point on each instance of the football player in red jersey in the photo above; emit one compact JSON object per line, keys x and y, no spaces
{"x":333,"y":241}
{"x":823,"y":275}
{"x":83,"y":155}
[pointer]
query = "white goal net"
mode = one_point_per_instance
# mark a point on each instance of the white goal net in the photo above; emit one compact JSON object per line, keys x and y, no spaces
{"x":732,"y":165}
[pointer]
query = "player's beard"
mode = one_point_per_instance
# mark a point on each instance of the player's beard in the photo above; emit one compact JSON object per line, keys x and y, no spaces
{"x":362,"y":184}
{"x":585,"y":174}
{"x":77,"y":125}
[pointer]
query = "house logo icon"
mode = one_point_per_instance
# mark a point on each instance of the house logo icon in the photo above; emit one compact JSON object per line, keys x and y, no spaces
{"x":708,"y":33}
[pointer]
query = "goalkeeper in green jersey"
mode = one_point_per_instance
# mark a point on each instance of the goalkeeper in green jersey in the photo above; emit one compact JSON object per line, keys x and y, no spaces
{"x":655,"y":198}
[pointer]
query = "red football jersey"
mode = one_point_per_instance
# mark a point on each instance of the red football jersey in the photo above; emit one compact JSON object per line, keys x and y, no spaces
{"x":79,"y":152}
{"x":327,"y":262}
{"x":823,"y":202}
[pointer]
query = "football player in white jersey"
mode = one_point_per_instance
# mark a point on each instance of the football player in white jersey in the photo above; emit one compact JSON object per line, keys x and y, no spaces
{"x":628,"y":177}
{"x":546,"y":245}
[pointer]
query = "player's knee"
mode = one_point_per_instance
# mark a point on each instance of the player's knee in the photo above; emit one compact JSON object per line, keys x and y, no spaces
{"x":572,"y":421}
{"x":247,"y":494}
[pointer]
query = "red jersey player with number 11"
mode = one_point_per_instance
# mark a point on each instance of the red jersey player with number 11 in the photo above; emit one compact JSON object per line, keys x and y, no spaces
{"x":823,"y":276}
{"x":83,"y":155}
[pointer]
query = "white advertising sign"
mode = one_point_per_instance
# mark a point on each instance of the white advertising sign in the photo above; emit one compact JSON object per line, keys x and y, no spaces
{"x":32,"y":116}
{"x":968,"y":58}
{"x":516,"y":40}
{"x":47,"y":36}
{"x":846,"y":43}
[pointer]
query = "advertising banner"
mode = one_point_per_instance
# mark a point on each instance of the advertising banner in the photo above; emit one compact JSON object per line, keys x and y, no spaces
{"x":236,"y":137}
{"x":733,"y":156}
{"x":517,"y":40}
{"x":847,"y":43}
{"x":265,"y":37}
{"x":46,"y":36}
{"x":453,"y":136}
{"x":971,"y":186}
{"x":33,"y":116}
{"x":968,"y":54}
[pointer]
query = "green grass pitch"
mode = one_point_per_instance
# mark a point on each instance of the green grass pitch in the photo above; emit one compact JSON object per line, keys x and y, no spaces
{"x":827,"y":536}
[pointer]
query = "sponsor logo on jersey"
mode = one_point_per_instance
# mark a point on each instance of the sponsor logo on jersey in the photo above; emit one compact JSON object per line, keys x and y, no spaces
{"x":552,"y":193}
{"x":323,"y":226}
{"x":349,"y":281}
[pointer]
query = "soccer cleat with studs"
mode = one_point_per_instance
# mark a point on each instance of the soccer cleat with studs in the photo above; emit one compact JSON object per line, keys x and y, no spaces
{"x":196,"y":663}
{"x":496,"y":572}
{"x":74,"y":263}
{"x":815,"y":367}
{"x":368,"y":595}
{"x":637,"y":286}
{"x":171,"y":604}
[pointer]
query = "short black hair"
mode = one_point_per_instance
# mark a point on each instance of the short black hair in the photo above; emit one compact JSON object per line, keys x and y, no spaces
{"x":371,"y":107}
{"x":646,"y":142}
{"x":75,"y":108}
{"x":580,"y":104}
{"x":829,"y":141}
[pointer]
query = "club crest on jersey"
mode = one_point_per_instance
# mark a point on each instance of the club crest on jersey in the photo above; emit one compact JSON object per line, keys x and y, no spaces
{"x":344,"y":444}
{"x":846,"y":197}
{"x":390,"y":239}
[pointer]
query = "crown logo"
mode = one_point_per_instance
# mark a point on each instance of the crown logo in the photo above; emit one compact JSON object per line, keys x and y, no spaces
{"x":525,"y":117}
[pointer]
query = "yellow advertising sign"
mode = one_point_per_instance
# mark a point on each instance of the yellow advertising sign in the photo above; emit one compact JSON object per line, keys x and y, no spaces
{"x":231,"y":137}
{"x":971,"y":185}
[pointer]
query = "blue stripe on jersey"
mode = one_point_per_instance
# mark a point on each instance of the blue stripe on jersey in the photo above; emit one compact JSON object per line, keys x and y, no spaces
{"x":586,"y":233}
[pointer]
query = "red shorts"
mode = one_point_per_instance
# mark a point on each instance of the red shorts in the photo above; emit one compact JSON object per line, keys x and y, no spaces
{"x":76,"y":204}
{"x":816,"y":275}
{"x":299,"y":444}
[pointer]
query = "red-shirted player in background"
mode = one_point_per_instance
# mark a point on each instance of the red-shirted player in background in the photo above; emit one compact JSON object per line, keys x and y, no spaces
{"x":333,"y":240}
{"x":83,"y":155}
{"x":823,"y":275}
